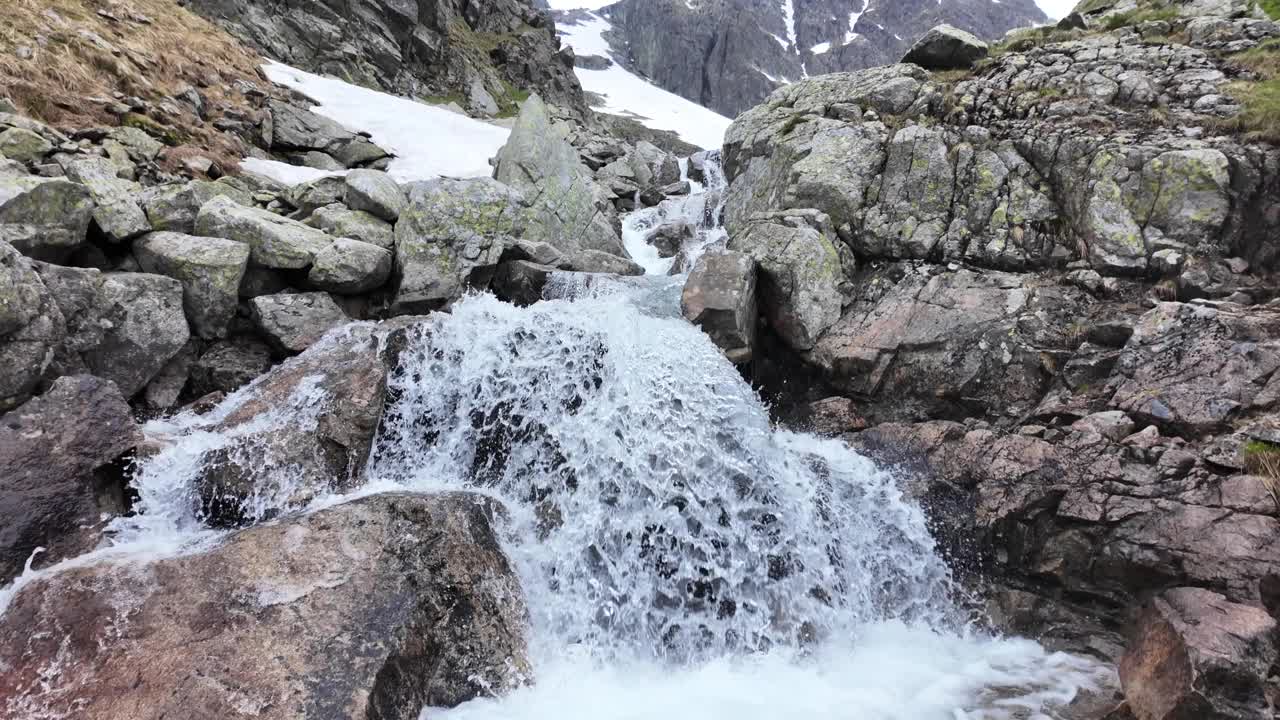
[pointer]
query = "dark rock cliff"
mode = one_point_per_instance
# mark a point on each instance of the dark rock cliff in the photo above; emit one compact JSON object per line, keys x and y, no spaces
{"x":730,"y":54}
{"x":484,"y":54}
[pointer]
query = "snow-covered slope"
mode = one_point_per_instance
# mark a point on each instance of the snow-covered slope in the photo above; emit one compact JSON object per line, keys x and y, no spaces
{"x":628,"y":94}
{"x":428,"y":141}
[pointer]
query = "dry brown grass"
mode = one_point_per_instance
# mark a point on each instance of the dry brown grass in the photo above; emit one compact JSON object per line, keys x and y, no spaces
{"x":152,"y":49}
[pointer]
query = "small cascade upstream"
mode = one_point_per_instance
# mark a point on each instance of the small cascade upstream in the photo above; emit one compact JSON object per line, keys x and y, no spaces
{"x":681,"y":556}
{"x":701,"y":209}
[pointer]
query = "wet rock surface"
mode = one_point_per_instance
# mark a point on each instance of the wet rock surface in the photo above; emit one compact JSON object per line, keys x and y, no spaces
{"x":374,"y":608}
{"x":58,"y":453}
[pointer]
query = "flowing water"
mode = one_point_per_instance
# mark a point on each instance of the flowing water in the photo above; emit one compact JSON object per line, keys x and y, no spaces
{"x":682,"y":557}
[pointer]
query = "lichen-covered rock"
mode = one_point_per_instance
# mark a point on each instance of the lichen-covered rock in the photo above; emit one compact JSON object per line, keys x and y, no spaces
{"x":31,"y":327}
{"x":23,"y":145}
{"x":274,"y":241}
{"x":210,"y":270}
{"x":720,"y":297}
{"x":448,"y":230}
{"x":340,"y":221}
{"x":292,"y":322}
{"x":1195,"y":654}
{"x":370,"y":609}
{"x":116,"y":211}
{"x":51,"y":449}
{"x":567,"y":208}
{"x":122,"y":327}
{"x":173,"y":207}
{"x":350,"y":267}
{"x":374,"y":192}
{"x":44,"y":218}
{"x":946,"y":48}
{"x":800,"y":273}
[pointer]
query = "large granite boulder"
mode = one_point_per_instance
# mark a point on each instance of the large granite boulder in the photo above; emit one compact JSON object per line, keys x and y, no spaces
{"x":122,"y":327}
{"x":293,"y":322}
{"x":800,"y":272}
{"x":375,"y":193}
{"x":340,"y":221}
{"x":31,"y":327}
{"x":720,"y":297}
{"x":350,"y":267}
{"x":44,"y":218}
{"x":449,"y":230}
{"x":210,"y":270}
{"x":1192,"y":653}
{"x":946,"y":48}
{"x":567,"y":208}
{"x":116,"y":211}
{"x":227,"y":366}
{"x":57,"y":485}
{"x":173,"y":207}
{"x":274,"y":241}
{"x":371,"y":609}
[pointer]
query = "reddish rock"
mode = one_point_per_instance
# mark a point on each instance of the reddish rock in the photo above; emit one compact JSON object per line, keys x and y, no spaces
{"x":370,"y":610}
{"x":1194,"y":655}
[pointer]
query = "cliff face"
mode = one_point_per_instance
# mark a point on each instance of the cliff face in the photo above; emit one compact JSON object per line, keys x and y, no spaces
{"x":483,"y":54}
{"x":730,"y":54}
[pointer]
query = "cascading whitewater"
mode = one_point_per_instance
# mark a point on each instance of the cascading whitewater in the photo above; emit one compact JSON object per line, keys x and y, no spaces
{"x":701,"y":209}
{"x":655,"y":511}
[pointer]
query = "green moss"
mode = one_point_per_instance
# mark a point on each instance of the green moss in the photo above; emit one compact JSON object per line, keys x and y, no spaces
{"x":1259,"y":447}
{"x":165,"y":134}
{"x":1271,"y":8}
{"x":445,"y":99}
{"x":1158,"y":13}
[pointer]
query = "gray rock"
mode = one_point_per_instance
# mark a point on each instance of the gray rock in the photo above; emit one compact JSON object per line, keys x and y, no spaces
{"x":166,"y":387}
{"x":275,"y":242}
{"x":375,"y":193}
{"x":566,"y":206}
{"x":293,"y":322}
{"x":294,"y":128}
{"x":350,"y":267}
{"x":946,"y":48}
{"x":520,"y":282}
{"x":174,"y":207}
{"x":51,"y":449}
{"x":432,"y":614}
{"x":44,"y":218}
{"x":448,"y":230}
{"x":31,"y":327}
{"x":800,"y":273}
{"x":210,"y":270}
{"x":116,"y":210}
{"x":340,"y":221}
{"x":227,"y":366}
{"x":23,"y":145}
{"x":595,"y":261}
{"x":123,"y":326}
{"x":670,"y":238}
{"x":310,"y":196}
{"x":720,"y":298}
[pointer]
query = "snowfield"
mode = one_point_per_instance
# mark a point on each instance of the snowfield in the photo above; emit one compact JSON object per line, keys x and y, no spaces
{"x":628,"y":94}
{"x":428,"y":141}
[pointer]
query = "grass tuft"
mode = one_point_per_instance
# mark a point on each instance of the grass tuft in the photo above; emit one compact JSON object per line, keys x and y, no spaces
{"x":1263,"y":459}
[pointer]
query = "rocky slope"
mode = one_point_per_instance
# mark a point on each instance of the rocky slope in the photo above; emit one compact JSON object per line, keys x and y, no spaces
{"x":729,"y":54}
{"x":1048,"y":290}
{"x":484,"y":55}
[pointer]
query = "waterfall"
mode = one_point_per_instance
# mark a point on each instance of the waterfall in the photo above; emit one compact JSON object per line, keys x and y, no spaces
{"x":702,"y":209}
{"x":681,"y":556}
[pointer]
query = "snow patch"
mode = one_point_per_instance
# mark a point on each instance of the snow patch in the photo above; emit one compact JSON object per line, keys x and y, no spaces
{"x":820,"y":48}
{"x":428,"y":141}
{"x":851,"y":34}
{"x":628,"y":94}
